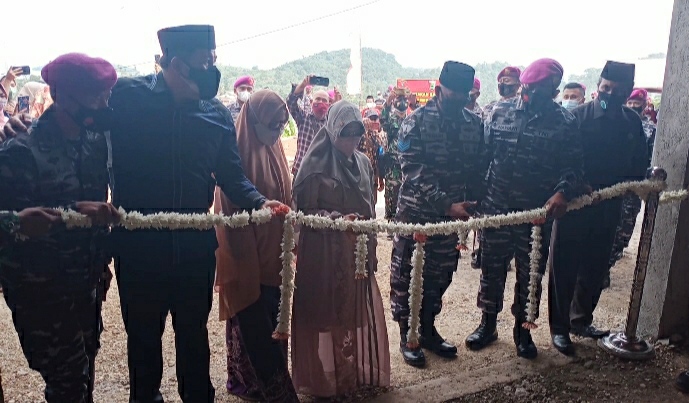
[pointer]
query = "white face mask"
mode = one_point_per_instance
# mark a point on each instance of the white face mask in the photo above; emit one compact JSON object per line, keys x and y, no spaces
{"x":243,"y":96}
{"x":371,"y":105}
{"x":570,"y":104}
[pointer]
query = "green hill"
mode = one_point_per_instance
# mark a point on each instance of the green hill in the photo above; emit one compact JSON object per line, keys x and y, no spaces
{"x":379,"y":70}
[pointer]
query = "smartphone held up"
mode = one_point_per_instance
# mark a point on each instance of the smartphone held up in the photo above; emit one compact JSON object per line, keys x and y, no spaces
{"x":26,"y":70}
{"x":319,"y":81}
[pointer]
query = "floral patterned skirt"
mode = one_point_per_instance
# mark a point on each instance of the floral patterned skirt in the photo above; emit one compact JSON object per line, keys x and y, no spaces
{"x":257,"y":364}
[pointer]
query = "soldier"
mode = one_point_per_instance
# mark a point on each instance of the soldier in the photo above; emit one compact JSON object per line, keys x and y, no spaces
{"x":394,"y":112}
{"x":243,"y":88}
{"x":61,"y":162}
{"x":443,"y":164}
{"x":30,"y":222}
{"x":473,"y":105}
{"x":631,"y":204}
{"x":508,"y":85}
{"x":536,"y":159}
{"x":615,"y":151}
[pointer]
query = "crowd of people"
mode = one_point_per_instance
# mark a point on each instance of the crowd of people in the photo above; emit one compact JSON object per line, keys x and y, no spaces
{"x":165,"y":143}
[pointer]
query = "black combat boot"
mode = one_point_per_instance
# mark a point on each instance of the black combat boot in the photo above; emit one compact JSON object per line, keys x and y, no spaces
{"x":682,"y":382}
{"x":484,"y":334}
{"x":413,"y":357}
{"x":476,"y":258}
{"x":522,"y":340}
{"x":433,"y":341}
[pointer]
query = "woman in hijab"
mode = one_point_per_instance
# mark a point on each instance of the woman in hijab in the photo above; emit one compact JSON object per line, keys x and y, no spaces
{"x":339,"y":335}
{"x":249,"y":263}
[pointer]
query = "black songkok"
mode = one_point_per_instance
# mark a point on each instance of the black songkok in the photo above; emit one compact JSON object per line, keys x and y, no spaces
{"x":457,"y":76}
{"x":186,"y":38}
{"x":618,"y":72}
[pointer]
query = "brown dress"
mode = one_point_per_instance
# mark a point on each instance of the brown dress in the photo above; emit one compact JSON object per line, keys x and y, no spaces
{"x":248,"y":265}
{"x":339,"y":335}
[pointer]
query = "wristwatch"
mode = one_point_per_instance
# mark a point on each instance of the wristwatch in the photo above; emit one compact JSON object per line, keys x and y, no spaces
{"x":9,"y":223}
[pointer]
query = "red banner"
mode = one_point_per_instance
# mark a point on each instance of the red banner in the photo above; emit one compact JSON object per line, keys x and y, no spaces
{"x":424,"y":89}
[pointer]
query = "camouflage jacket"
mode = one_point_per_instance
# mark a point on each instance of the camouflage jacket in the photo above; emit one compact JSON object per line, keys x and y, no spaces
{"x":650,"y":132}
{"x":532,"y":157}
{"x":42,"y":168}
{"x":391,"y":123}
{"x":488,"y":109}
{"x":443,"y":162}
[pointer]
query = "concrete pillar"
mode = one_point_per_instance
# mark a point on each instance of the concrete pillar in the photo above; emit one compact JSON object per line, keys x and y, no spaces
{"x":665,"y":303}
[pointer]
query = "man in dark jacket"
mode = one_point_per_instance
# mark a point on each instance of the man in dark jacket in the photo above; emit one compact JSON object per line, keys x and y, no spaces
{"x":614,"y":151}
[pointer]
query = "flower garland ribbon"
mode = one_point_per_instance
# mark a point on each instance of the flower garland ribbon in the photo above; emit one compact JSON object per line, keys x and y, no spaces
{"x":287,"y":274}
{"x":534,"y":278}
{"x":361,"y":253}
{"x":175,"y":221}
{"x":416,"y":294}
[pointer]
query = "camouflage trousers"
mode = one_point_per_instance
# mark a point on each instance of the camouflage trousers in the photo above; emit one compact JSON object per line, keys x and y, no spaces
{"x":631,"y":206}
{"x":392,"y":192}
{"x":440,"y":264}
{"x":498,"y":247}
{"x":60,"y":337}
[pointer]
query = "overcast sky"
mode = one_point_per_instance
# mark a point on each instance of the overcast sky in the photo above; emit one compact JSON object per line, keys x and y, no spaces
{"x":578,"y":33}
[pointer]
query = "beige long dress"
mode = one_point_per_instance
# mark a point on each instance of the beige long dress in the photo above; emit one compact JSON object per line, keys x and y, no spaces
{"x":339,"y":335}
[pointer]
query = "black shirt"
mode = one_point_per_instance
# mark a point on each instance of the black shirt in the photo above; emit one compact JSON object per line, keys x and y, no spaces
{"x":168,"y":157}
{"x":615,"y":151}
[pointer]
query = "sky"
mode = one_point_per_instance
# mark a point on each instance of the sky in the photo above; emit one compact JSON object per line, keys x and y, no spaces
{"x":578,"y":33}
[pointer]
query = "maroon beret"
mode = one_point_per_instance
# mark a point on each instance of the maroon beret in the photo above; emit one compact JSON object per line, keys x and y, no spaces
{"x":542,"y":70}
{"x":80,"y":74}
{"x":639,"y":94}
{"x":510,"y":71}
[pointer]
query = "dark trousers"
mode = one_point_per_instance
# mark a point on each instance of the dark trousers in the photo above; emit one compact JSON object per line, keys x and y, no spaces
{"x":441,"y":257}
{"x":580,"y":257}
{"x":149,"y":291}
{"x":59,"y":336}
{"x":499,"y":245}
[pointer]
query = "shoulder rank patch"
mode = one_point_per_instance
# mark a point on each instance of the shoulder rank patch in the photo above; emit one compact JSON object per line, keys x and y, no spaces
{"x":403,"y":144}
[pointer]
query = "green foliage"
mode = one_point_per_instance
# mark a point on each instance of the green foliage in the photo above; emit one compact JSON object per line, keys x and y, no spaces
{"x":379,"y":69}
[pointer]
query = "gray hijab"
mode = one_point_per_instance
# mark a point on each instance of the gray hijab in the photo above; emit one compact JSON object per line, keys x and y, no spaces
{"x":323,"y":158}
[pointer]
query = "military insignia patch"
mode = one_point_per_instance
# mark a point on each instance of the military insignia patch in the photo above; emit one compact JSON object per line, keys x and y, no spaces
{"x":403,"y":145}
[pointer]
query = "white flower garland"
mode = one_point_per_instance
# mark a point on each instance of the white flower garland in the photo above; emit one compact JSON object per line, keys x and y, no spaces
{"x":361,"y":253}
{"x":463,"y":234}
{"x":287,"y":274}
{"x":415,"y":295}
{"x":535,"y":278}
{"x":175,"y":221}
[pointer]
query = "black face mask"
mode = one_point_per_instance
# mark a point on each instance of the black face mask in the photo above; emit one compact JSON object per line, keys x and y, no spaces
{"x":452,"y":107}
{"x":208,"y":81}
{"x":639,"y":110}
{"x":610,"y":102}
{"x":537,"y":99}
{"x":401,"y":106}
{"x":96,"y":120}
{"x":507,"y":90}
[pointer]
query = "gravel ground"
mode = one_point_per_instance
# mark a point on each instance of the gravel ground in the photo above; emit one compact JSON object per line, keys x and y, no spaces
{"x":593,"y":378}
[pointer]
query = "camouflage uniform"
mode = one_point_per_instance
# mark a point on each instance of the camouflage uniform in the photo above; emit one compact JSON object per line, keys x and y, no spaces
{"x":442,"y":161}
{"x":532,"y":157}
{"x":235,"y":108}
{"x":50,"y":282}
{"x":631,"y":205}
{"x":488,"y":109}
{"x":391,"y":122}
